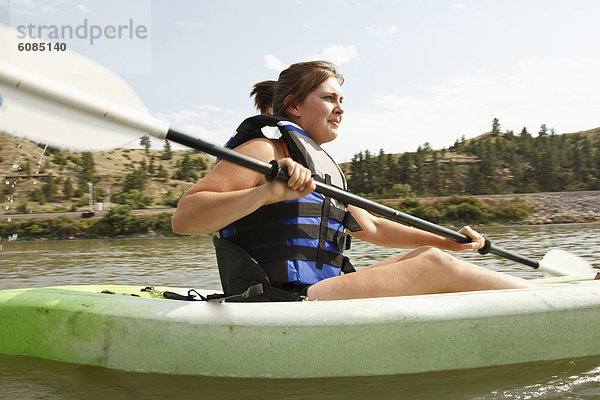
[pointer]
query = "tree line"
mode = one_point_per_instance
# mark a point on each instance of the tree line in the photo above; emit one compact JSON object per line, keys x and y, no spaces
{"x":496,"y":162}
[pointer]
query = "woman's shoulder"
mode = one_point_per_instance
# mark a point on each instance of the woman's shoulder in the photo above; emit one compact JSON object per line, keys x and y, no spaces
{"x":262,"y":148}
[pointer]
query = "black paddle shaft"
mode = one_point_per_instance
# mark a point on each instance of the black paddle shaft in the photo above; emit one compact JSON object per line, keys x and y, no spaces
{"x":272,"y":171}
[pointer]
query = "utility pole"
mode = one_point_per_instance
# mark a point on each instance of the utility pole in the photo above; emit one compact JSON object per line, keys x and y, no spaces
{"x":91,"y":196}
{"x":107,"y":199}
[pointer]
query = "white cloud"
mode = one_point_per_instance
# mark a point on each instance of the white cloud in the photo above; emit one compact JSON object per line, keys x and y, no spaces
{"x":197,"y":114}
{"x":207,"y":121}
{"x":84,"y":8}
{"x":207,"y":107}
{"x":198,"y":131}
{"x":382,"y":32}
{"x":458,"y":6}
{"x":189,"y":24}
{"x":337,"y":54}
{"x":274,"y":63}
{"x":30,"y":8}
{"x":179,"y":116}
{"x":560,"y":93}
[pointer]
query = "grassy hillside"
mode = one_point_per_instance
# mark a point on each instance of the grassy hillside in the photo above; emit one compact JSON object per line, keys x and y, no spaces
{"x":24,"y":178}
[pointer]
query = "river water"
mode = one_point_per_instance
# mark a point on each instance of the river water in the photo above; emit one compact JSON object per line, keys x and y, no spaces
{"x":190,"y":262}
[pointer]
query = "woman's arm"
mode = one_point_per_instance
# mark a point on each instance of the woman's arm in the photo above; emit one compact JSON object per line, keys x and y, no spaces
{"x":230,"y":192}
{"x":387,"y":233}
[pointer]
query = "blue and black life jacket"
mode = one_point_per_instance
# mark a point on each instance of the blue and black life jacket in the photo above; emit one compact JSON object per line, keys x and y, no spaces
{"x":299,"y":241}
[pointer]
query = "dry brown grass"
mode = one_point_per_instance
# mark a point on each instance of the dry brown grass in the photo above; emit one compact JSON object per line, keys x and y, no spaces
{"x":111,"y":167}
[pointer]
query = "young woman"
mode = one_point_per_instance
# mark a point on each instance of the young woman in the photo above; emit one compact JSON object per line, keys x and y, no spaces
{"x":296,"y":235}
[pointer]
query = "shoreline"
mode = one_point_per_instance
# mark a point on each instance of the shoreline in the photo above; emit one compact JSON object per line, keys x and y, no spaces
{"x":547,"y":208}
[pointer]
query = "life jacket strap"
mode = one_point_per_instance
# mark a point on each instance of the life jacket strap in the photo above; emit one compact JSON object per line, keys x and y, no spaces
{"x":277,"y":270}
{"x":279,"y":251}
{"x":280,"y":211}
{"x":273,"y":232}
{"x":323,"y":227}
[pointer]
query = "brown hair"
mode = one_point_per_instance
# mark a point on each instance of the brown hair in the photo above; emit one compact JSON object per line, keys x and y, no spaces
{"x":297,"y":81}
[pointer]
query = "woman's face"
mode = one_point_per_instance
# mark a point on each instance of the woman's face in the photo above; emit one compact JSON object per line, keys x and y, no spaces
{"x":320,"y":114}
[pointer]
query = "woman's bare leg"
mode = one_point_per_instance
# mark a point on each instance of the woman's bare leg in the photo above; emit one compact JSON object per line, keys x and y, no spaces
{"x":425,"y":270}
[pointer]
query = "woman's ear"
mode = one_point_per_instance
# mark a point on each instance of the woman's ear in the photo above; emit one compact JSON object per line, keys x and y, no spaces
{"x":291,"y":106}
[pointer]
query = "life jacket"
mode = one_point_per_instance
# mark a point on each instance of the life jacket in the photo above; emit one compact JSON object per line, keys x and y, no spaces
{"x":299,"y":241}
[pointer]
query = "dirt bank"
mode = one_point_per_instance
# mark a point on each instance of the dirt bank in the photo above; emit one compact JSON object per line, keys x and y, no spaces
{"x":552,"y":207}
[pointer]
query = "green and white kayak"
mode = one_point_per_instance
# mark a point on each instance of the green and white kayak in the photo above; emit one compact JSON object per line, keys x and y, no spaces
{"x":380,"y":336}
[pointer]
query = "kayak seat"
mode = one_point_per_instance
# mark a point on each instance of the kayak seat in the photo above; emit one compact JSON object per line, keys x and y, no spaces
{"x":239,"y":272}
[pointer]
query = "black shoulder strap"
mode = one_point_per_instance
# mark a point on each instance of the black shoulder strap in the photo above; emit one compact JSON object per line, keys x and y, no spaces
{"x":251,"y":127}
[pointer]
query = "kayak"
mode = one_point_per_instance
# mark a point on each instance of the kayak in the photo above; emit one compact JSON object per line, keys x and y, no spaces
{"x":129,"y":329}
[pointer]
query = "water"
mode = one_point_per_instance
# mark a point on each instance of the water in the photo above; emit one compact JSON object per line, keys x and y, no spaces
{"x":190,"y":262}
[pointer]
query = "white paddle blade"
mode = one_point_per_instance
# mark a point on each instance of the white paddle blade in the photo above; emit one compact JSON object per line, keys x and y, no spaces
{"x":558,"y":262}
{"x":47,"y":121}
{"x":61,"y":98}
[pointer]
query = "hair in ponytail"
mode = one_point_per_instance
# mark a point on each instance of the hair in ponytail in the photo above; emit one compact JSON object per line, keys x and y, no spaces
{"x":293,"y":86}
{"x":263,"y":96}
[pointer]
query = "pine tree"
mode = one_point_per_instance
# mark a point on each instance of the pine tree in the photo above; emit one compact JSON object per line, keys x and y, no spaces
{"x":579,"y":171}
{"x":474,"y":184}
{"x":167,"y":154}
{"x":586,"y":154}
{"x":517,"y":170}
{"x":391,"y":171}
{"x":487,"y":167}
{"x":135,"y":180}
{"x":405,"y":169}
{"x":547,"y":168}
{"x":435,"y":175}
{"x":50,"y":188}
{"x":87,"y":171}
{"x":496,"y":126}
{"x":378,"y":174}
{"x":161,"y":172}
{"x":151,"y":166}
{"x":186,"y":169}
{"x":455,"y":183}
{"x":67,"y":188}
{"x":418,"y":178}
{"x":145,"y":143}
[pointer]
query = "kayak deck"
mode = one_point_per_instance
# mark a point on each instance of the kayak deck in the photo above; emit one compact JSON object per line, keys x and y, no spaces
{"x":380,"y":336}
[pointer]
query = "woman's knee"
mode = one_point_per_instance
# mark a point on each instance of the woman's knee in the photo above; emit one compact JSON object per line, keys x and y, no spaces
{"x":432,"y":254}
{"x":436,"y":259}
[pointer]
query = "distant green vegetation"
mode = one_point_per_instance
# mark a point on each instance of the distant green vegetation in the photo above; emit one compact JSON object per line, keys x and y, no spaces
{"x":492,"y":163}
{"x":466,"y":210}
{"x":117,"y":222}
{"x":120,"y":222}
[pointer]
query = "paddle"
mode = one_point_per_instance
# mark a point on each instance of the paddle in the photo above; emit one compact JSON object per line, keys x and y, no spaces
{"x":55,"y":112}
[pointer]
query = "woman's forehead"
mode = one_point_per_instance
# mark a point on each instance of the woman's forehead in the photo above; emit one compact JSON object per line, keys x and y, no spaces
{"x":330,"y":85}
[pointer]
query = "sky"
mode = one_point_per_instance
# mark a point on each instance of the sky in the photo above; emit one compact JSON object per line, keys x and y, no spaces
{"x":415,"y":71}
